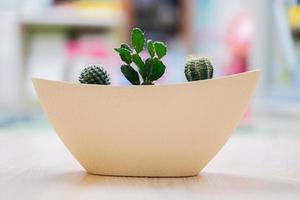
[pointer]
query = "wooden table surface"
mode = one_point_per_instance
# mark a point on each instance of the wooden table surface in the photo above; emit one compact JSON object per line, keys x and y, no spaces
{"x":35,"y":165}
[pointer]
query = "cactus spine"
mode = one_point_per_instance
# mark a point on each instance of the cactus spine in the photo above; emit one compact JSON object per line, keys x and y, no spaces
{"x":94,"y":74}
{"x":198,"y":68}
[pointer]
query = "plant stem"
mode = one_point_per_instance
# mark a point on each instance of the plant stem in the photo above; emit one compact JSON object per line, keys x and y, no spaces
{"x":147,"y":83}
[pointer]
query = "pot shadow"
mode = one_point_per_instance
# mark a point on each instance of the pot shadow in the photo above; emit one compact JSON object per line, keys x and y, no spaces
{"x":204,"y":183}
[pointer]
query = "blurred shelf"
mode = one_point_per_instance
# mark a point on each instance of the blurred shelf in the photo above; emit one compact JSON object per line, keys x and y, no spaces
{"x":72,"y":17}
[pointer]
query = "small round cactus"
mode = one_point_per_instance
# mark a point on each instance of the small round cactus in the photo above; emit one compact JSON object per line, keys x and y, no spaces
{"x":94,"y":74}
{"x":198,"y":68}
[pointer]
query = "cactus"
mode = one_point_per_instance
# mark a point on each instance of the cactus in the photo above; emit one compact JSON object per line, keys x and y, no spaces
{"x":94,"y":74}
{"x":198,"y":68}
{"x":149,"y":70}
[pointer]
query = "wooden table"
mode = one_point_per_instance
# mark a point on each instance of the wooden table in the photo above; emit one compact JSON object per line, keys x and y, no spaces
{"x":36,"y":165}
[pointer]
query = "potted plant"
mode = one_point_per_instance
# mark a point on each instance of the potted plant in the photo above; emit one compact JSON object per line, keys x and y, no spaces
{"x":146,"y":129}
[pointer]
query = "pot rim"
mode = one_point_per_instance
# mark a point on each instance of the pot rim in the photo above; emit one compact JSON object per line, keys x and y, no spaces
{"x":139,"y":86}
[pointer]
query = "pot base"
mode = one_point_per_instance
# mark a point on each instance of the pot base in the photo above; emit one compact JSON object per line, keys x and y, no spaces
{"x":143,"y":176}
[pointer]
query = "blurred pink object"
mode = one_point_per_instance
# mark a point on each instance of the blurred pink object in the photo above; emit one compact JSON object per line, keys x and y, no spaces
{"x":95,"y":48}
{"x":241,"y":34}
{"x":91,"y":47}
{"x":72,"y":48}
{"x":239,"y":39}
{"x":236,"y":65}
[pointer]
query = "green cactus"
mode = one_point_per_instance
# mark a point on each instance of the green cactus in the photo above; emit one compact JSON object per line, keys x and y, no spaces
{"x":94,"y":74}
{"x":149,"y":70}
{"x":198,"y":68}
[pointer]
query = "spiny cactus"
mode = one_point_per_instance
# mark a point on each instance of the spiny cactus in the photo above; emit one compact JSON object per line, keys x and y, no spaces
{"x":94,"y":74}
{"x":198,"y":68}
{"x":151,"y":69}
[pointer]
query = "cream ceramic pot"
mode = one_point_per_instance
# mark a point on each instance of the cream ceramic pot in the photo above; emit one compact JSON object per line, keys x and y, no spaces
{"x":160,"y":130}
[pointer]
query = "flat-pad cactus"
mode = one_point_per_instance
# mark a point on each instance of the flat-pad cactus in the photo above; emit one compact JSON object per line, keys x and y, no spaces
{"x":152,"y":68}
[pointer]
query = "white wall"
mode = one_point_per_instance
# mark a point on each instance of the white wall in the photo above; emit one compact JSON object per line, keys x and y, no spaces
{"x":10,"y":73}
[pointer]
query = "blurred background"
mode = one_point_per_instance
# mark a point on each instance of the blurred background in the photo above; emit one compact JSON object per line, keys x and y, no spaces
{"x":55,"y":39}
